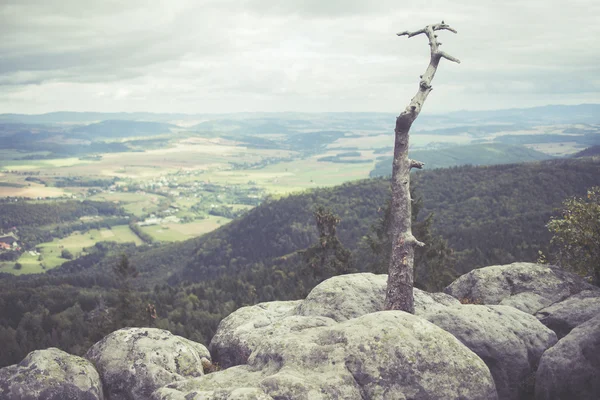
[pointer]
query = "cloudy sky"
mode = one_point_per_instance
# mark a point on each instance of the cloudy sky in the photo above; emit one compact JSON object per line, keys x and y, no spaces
{"x":210,"y":56}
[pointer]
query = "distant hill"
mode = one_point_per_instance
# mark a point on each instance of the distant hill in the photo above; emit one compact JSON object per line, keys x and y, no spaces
{"x":490,"y":215}
{"x":589,"y":152}
{"x":476,"y":154}
{"x":122,"y":129}
{"x":551,"y":114}
{"x":71,"y":117}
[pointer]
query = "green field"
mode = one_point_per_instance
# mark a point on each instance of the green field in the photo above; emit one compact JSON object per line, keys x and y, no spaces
{"x":294,"y":176}
{"x":172,"y":232}
{"x":137,"y":204}
{"x":75,"y":243}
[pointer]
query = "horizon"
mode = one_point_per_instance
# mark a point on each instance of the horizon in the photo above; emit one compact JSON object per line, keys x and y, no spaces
{"x":297,"y":112}
{"x":213,"y":57}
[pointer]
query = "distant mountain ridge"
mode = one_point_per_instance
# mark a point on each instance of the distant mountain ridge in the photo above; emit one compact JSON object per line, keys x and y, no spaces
{"x":123,"y":128}
{"x":551,"y":114}
{"x":474,"y":154}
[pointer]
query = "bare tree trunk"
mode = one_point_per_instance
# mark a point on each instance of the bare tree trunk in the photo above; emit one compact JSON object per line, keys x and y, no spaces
{"x":399,"y":294}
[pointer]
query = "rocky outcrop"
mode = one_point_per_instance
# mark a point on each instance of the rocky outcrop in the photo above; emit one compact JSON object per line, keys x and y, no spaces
{"x":345,"y":297}
{"x":50,"y":374}
{"x":350,"y":296}
{"x":571,"y":369}
{"x":562,"y":317}
{"x":339,"y":343}
{"x":244,"y":329}
{"x":387,"y":354}
{"x":133,"y":362}
{"x":526,"y":286}
{"x":337,"y":299}
{"x":509,"y":341}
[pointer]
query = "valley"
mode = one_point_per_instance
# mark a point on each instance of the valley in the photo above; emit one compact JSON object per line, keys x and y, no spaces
{"x":180,"y":176}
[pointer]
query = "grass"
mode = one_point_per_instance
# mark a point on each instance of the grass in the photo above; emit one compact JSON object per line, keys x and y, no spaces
{"x":172,"y":232}
{"x":32,"y":190}
{"x":19,"y":165}
{"x":136,"y":203}
{"x":288,"y":177}
{"x":75,"y":243}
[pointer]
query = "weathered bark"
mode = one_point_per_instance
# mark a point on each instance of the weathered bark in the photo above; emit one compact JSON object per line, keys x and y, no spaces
{"x":399,"y":294}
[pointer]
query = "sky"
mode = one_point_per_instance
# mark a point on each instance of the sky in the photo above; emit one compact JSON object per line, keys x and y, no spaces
{"x":224,"y":56}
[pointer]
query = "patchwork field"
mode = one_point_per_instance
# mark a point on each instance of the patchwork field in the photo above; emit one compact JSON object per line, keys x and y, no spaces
{"x":294,"y":176}
{"x":172,"y":232}
{"x":50,"y":253}
{"x":227,"y":164}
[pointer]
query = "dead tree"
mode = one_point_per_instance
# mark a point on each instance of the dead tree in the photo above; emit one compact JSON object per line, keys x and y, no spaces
{"x":399,"y":294}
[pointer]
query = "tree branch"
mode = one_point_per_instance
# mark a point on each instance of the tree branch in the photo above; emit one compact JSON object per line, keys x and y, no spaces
{"x":416,"y":164}
{"x":414,"y":108}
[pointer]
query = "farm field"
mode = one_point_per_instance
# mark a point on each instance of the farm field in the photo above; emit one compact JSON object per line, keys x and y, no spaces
{"x":294,"y":176}
{"x":177,"y":178}
{"x":50,"y":252}
{"x":172,"y":232}
{"x":137,"y":204}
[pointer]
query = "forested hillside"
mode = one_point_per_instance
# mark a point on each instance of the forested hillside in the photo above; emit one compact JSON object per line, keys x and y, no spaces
{"x":474,"y":154}
{"x":21,"y":213}
{"x":489,"y":215}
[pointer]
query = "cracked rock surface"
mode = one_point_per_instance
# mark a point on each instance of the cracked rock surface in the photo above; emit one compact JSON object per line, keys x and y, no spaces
{"x":133,"y":362}
{"x":50,"y":374}
{"x":386,"y":354}
{"x":528,"y":287}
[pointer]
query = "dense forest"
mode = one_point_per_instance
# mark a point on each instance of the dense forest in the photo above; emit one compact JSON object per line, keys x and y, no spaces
{"x":19,"y":213}
{"x":488,"y":215}
{"x":472,"y":154}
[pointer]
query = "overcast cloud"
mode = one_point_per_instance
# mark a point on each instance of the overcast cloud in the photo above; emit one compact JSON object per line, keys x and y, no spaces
{"x":290,"y":55}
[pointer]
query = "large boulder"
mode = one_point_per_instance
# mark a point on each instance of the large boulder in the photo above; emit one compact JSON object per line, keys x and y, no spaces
{"x":509,"y":341}
{"x":571,"y":369}
{"x":562,"y":317}
{"x":133,"y":362}
{"x":387,"y":354}
{"x":345,"y":297}
{"x":527,"y":286}
{"x":50,"y":374}
{"x":336,"y":299}
{"x":241,"y":331}
{"x":350,"y":296}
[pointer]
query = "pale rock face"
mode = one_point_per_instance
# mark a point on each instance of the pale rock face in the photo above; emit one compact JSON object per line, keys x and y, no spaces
{"x":334,"y":300}
{"x":133,"y":362}
{"x":241,"y":331}
{"x":528,"y":287}
{"x":562,"y":317}
{"x":387,"y":354}
{"x":50,"y":374}
{"x":350,"y":296}
{"x":571,"y":369}
{"x":509,"y":341}
{"x":345,"y":297}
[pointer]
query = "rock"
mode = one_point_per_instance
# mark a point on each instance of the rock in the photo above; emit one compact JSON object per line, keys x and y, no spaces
{"x":338,"y":299}
{"x":526,"y":286}
{"x":235,"y":383}
{"x":509,"y":341}
{"x":562,"y":317}
{"x":241,"y":331}
{"x":133,"y":362}
{"x":345,"y":297}
{"x":571,"y":369}
{"x":387,"y":354}
{"x":350,"y":296}
{"x":426,"y":302}
{"x":50,"y":374}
